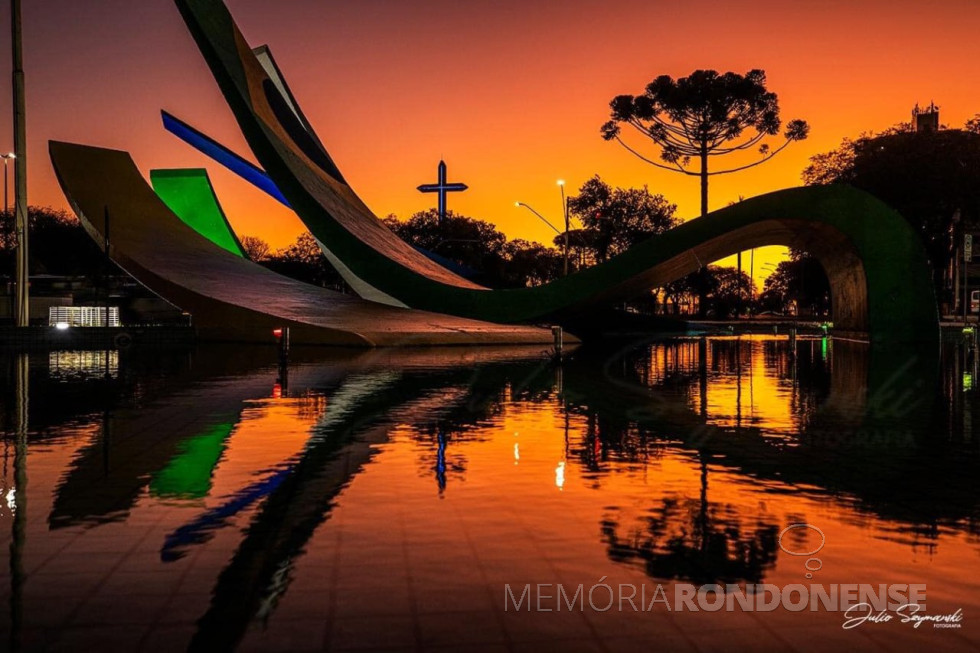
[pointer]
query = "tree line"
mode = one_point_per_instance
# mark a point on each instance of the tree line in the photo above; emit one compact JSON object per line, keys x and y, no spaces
{"x":608,"y":221}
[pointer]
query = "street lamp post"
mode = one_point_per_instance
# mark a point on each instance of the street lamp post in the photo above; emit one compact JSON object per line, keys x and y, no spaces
{"x":541,"y":217}
{"x":769,"y":267}
{"x":6,"y":197}
{"x":553,"y":227}
{"x":564,"y":208}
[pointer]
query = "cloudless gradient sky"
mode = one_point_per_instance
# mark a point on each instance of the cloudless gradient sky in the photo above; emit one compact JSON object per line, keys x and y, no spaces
{"x":510,"y":92}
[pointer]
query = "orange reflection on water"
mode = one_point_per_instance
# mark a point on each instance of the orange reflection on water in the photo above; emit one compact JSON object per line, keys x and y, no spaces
{"x":268,"y":429}
{"x":743,"y":380}
{"x":405,"y":498}
{"x":656,"y":514}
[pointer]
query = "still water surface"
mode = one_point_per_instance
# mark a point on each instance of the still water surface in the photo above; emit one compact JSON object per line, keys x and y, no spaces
{"x":388,"y":499}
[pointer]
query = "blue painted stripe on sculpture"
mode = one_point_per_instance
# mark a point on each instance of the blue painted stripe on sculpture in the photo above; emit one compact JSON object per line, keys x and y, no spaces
{"x":247,"y":171}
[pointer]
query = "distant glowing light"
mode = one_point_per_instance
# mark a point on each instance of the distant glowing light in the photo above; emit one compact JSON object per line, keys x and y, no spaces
{"x":62,"y":326}
{"x":561,"y":182}
{"x":277,"y":333}
{"x":560,"y":475}
{"x":12,"y":499}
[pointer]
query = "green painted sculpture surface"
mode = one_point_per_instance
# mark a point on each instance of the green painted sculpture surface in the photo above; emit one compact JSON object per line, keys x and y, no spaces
{"x":189,"y":194}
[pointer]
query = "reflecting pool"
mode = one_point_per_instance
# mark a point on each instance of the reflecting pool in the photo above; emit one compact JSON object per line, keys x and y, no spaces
{"x":621,"y":499}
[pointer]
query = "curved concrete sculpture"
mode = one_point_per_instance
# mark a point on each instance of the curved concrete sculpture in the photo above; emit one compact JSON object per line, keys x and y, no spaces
{"x":190,"y":195}
{"x":877,"y":268}
{"x":257,"y":177}
{"x":229,"y":297}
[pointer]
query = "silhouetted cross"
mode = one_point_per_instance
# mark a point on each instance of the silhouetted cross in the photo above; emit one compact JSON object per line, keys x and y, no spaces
{"x":443,"y":189}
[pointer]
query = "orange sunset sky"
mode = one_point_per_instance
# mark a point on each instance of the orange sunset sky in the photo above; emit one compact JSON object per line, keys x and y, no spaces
{"x":510,"y":93}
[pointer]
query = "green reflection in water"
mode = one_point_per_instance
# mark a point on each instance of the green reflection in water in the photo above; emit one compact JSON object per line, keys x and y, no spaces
{"x":188,"y":474}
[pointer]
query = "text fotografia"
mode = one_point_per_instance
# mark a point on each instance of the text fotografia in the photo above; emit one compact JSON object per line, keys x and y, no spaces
{"x":685,"y":597}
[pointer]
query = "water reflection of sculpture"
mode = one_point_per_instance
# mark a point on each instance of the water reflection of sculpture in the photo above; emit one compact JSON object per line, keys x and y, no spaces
{"x":368,"y":394}
{"x":107,"y":478}
{"x":722,"y":550}
{"x":693,"y":535}
{"x":260,"y":570}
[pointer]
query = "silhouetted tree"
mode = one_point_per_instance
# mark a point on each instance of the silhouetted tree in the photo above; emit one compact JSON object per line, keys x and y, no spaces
{"x":830,"y":167}
{"x":694,"y":540}
{"x":701,"y":116}
{"x":256,"y":248}
{"x":932,"y":178}
{"x":303,"y":249}
{"x":729,"y":298}
{"x":58,"y":244}
{"x":474,"y":243}
{"x":303,"y":261}
{"x":530,"y":264}
{"x":615,"y":219}
{"x":676,"y":293}
{"x":478,"y":245}
{"x":973,"y":124}
{"x":800,"y":282}
{"x":715,"y":289}
{"x":581,"y":249}
{"x":834,"y":166}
